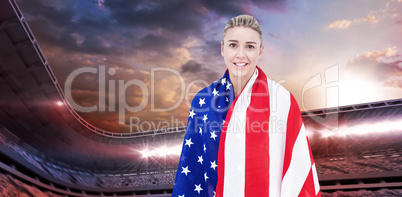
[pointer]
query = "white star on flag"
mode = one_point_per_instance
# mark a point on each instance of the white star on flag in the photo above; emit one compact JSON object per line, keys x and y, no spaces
{"x":198,"y":188}
{"x":205,"y":118}
{"x":188,"y":142}
{"x":223,"y":81}
{"x":228,"y":86}
{"x":202,"y":102}
{"x":205,"y":149}
{"x":206,"y":177}
{"x":181,"y":195}
{"x":215,"y":92}
{"x":213,"y":165}
{"x":200,"y":159}
{"x":192,"y":114}
{"x":213,"y":135}
{"x":200,"y":130}
{"x":185,"y":170}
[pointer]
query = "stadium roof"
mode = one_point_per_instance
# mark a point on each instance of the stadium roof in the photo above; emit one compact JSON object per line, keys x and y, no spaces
{"x":30,"y":109}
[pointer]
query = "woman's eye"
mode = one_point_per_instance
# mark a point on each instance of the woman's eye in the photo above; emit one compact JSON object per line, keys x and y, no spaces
{"x":232,"y":45}
{"x":250,"y":47}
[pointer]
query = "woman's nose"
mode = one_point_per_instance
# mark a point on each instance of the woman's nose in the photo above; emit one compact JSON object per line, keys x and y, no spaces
{"x":240,"y":52}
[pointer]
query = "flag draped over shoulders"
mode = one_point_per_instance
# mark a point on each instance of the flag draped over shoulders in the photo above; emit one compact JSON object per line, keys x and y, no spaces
{"x":251,"y":145}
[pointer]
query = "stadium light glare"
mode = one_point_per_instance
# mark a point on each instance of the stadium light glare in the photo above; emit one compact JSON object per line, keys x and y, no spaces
{"x":59,"y":103}
{"x":161,"y":151}
{"x":365,"y":129}
{"x":146,"y":153}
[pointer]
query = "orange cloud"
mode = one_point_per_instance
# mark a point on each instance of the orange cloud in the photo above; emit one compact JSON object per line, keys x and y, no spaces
{"x":371,"y":19}
{"x":383,"y":66}
{"x":341,"y":24}
{"x":380,"y":55}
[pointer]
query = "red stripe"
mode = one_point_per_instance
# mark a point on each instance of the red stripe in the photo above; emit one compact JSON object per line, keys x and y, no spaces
{"x":221,"y":157}
{"x":311,"y":153}
{"x":294,"y":123}
{"x":311,"y":171}
{"x":257,"y":140}
{"x":308,"y":187}
{"x":221,"y":152}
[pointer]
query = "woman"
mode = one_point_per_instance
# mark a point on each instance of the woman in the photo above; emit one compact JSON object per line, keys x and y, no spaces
{"x":245,"y":135}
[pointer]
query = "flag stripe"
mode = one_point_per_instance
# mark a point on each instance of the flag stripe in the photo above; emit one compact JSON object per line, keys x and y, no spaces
{"x":308,"y":187}
{"x":299,"y":167}
{"x":235,"y":150}
{"x":311,"y":153}
{"x":235,"y":145}
{"x":279,"y":106}
{"x":316,"y":183}
{"x":221,"y":153}
{"x":294,"y":123}
{"x":257,"y":140}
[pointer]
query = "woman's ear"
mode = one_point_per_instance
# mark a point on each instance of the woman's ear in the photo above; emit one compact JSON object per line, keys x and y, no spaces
{"x":222,"y":48}
{"x":261,"y":49}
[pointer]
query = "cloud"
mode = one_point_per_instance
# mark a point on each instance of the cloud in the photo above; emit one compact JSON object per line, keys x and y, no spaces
{"x":389,"y":11}
{"x":371,"y":19}
{"x":383,"y":66}
{"x":380,"y":55}
{"x":133,"y":37}
{"x":273,"y":36}
{"x":191,"y":66}
{"x":126,"y":27}
{"x":196,"y":71}
{"x":341,"y":24}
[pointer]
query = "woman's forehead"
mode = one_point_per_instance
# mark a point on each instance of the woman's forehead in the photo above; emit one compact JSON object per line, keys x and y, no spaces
{"x":242,"y":34}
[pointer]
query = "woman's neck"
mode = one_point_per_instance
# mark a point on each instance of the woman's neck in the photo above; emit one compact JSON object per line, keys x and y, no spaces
{"x":238,"y":83}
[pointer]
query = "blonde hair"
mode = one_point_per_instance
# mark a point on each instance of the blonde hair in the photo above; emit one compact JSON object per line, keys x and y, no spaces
{"x":243,"y":21}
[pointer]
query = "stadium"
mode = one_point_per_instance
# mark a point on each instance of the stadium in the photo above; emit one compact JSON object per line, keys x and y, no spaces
{"x":49,"y":150}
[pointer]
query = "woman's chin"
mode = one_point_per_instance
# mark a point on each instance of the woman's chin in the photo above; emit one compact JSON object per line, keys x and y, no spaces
{"x":237,"y":73}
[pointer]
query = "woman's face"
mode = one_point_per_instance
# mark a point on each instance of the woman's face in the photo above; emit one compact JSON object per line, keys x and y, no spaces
{"x":241,"y":50}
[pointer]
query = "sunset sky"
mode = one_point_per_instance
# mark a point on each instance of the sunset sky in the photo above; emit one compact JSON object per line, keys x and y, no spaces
{"x":327,"y":53}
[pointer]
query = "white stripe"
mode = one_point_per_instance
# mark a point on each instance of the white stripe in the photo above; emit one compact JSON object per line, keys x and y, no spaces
{"x":315,"y":177}
{"x":279,"y":109}
{"x":299,"y":167}
{"x":235,"y":144}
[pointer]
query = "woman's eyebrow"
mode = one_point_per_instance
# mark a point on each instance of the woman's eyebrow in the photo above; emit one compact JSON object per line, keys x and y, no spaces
{"x":250,"y":42}
{"x":236,"y":41}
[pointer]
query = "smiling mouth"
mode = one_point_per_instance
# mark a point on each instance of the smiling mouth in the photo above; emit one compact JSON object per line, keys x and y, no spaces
{"x":240,"y":64}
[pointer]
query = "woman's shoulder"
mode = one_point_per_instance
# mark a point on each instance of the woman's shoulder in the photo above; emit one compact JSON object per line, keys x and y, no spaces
{"x":277,"y":90}
{"x":275,"y":87}
{"x":280,"y":96}
{"x":208,"y":91}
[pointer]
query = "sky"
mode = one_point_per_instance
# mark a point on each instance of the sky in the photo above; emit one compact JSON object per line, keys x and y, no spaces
{"x":128,"y":66}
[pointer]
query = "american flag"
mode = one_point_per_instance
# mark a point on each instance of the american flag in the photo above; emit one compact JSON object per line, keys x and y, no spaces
{"x":255,"y":143}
